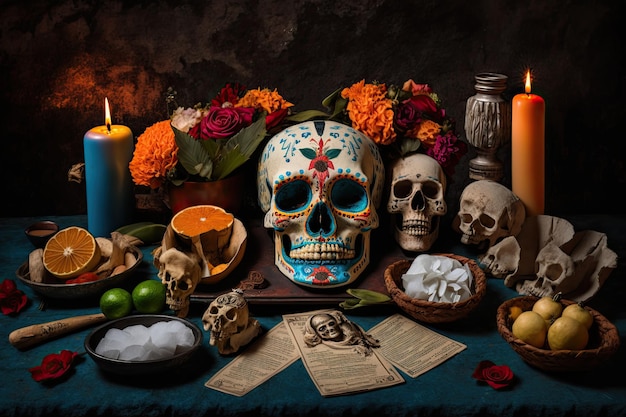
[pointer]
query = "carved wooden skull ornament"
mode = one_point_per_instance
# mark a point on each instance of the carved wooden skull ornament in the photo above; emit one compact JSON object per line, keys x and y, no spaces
{"x":228,"y":319}
{"x":319,"y":184}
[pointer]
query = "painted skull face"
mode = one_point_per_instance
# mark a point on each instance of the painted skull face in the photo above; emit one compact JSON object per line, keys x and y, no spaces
{"x":319,"y":184}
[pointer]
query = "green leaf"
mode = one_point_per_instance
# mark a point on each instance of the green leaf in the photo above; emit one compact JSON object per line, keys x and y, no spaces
{"x":332,"y":153}
{"x":369,"y":296}
{"x":216,"y":159}
{"x":308,"y":153}
{"x":329,"y":101}
{"x":350,"y":303}
{"x":409,"y":145}
{"x":192,"y":155}
{"x":340,"y":106}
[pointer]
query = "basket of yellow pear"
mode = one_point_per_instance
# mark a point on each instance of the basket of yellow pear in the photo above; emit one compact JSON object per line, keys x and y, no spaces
{"x":557,"y":335}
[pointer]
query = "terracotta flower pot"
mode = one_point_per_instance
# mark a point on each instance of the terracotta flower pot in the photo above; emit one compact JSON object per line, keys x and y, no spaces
{"x":226,"y":193}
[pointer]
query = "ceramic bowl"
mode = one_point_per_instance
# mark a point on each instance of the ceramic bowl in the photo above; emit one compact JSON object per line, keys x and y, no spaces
{"x":56,"y":288}
{"x":39,"y":233}
{"x":137,"y":368}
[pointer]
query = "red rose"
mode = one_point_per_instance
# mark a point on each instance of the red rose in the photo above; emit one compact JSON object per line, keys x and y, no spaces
{"x":426,"y":105}
{"x":274,"y":119}
{"x":53,"y":366}
{"x":12,"y":300}
{"x":406,"y":116}
{"x":497,"y":376}
{"x":224,"y":122}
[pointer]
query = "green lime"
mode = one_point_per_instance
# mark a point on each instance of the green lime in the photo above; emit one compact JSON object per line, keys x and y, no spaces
{"x":149,"y":296}
{"x":116,"y":303}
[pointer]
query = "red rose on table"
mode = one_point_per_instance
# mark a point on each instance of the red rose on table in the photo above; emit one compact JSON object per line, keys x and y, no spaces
{"x":497,"y":376}
{"x":12,"y":300}
{"x":53,"y":366}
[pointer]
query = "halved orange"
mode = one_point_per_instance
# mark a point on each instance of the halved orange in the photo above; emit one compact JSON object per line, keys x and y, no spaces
{"x":71,"y":252}
{"x":197,"y":220}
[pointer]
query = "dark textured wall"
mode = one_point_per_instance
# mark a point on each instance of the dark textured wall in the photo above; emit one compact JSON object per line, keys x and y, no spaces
{"x":59,"y":59}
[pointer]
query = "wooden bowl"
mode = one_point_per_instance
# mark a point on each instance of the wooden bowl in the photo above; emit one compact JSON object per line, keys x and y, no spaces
{"x":603,"y":341}
{"x":53,"y":287}
{"x":434,"y":312}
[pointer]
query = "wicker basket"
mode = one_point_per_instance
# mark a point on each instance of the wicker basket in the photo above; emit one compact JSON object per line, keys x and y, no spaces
{"x":603,"y":341}
{"x":429,"y":311}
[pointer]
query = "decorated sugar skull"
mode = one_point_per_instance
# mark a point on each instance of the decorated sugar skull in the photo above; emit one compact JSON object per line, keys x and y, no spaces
{"x":320,"y":183}
{"x":488,"y":212}
{"x":416,"y":201}
{"x":180,"y":273}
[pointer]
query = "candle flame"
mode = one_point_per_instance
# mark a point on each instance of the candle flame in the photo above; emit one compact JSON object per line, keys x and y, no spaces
{"x":527,"y":88}
{"x":107,"y":114}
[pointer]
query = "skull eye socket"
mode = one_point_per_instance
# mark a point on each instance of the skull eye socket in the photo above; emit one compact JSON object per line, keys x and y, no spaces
{"x":466,"y":218}
{"x":293,"y":196}
{"x":487,"y":221}
{"x":430,"y":189}
{"x":552,"y":272}
{"x":348,"y":195}
{"x":183,"y":285}
{"x":402,"y":189}
{"x":231,"y":314}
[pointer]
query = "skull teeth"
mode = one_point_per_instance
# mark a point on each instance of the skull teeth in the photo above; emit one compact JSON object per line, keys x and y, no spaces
{"x":322,"y":251}
{"x":416,"y":228}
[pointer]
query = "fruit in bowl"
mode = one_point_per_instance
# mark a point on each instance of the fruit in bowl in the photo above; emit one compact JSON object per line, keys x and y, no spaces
{"x":74,"y":264}
{"x":568,"y":344}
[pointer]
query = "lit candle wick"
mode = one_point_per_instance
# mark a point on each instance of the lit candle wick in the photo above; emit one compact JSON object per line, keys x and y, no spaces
{"x":527,"y":86}
{"x":107,"y":115}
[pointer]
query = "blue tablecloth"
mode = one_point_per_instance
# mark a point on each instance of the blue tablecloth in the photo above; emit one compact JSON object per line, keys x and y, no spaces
{"x":448,"y":390}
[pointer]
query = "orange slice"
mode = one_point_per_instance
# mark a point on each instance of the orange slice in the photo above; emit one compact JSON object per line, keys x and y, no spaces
{"x":197,"y":220}
{"x":71,"y":252}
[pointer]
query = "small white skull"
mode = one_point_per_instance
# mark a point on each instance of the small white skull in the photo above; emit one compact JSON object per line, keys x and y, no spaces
{"x":319,"y":184}
{"x":228,"y":319}
{"x":416,"y":201}
{"x":180,"y":272}
{"x":488,"y":213}
{"x":555,"y":272}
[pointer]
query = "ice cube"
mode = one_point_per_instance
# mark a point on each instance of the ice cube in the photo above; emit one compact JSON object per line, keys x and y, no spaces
{"x":139,"y":333}
{"x":109,"y":348}
{"x":132,"y":353}
{"x":162,"y":337}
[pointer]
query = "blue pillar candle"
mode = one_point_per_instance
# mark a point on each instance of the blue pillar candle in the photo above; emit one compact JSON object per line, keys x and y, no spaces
{"x":110,"y":196}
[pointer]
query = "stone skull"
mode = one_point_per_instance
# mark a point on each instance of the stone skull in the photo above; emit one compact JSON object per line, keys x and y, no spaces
{"x":488,"y":212}
{"x":416,"y":201}
{"x":228,"y":319}
{"x":319,"y":184}
{"x":180,"y":272}
{"x":554,"y":270}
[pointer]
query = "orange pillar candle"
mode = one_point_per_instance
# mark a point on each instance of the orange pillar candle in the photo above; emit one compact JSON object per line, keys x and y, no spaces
{"x":528,"y":150}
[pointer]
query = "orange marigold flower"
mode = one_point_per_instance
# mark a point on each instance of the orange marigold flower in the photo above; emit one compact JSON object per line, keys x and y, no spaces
{"x":370,"y":111}
{"x":426,"y":132}
{"x":270,"y":101}
{"x":155,"y":154}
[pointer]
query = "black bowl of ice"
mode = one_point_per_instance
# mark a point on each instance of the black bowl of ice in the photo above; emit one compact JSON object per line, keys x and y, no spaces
{"x":143,"y":344}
